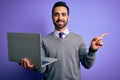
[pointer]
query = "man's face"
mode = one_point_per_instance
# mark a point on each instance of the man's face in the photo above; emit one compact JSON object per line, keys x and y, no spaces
{"x":60,"y":17}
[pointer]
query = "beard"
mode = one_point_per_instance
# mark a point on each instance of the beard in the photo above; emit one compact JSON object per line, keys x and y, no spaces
{"x":60,"y":26}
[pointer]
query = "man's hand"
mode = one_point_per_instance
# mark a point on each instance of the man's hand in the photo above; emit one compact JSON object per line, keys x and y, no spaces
{"x":26,"y":63}
{"x":96,"y":43}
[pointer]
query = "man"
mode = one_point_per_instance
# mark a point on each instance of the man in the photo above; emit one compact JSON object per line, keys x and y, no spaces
{"x":69,"y":48}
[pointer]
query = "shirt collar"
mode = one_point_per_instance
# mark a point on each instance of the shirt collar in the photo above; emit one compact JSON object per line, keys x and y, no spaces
{"x":66,"y":32}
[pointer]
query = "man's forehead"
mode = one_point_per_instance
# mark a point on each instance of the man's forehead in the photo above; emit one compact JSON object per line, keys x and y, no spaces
{"x":60,"y":9}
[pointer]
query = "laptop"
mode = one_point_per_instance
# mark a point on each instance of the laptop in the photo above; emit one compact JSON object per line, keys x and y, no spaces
{"x":27,"y":45}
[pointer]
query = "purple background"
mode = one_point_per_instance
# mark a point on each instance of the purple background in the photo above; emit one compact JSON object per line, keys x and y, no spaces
{"x":88,"y":18}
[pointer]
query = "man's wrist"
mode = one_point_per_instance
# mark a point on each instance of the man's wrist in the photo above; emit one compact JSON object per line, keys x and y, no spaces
{"x":92,"y":50}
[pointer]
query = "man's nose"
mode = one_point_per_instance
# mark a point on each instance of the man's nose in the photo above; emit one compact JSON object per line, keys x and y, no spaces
{"x":60,"y":17}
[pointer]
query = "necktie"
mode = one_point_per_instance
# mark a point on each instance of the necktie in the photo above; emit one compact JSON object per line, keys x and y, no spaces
{"x":61,"y":35}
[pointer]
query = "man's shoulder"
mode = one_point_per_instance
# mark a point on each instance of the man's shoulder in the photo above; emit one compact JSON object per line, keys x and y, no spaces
{"x":47,"y":36}
{"x":75,"y":34}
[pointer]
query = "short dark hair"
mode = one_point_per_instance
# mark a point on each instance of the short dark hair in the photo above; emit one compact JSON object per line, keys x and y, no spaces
{"x":60,"y":3}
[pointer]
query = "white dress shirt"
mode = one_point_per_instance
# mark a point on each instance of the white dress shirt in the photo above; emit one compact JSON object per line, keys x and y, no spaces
{"x":66,"y":32}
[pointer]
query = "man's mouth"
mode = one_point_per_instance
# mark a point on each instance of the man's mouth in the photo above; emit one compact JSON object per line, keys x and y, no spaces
{"x":59,"y":21}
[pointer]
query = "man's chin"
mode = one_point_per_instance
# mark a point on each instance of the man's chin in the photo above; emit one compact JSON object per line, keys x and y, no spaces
{"x":59,"y":27}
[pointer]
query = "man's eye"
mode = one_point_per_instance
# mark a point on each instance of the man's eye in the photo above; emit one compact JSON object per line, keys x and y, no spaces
{"x":63,"y":14}
{"x":55,"y":14}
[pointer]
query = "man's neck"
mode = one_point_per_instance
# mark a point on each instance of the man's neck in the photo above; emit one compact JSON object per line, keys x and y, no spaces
{"x":61,"y":30}
{"x":65,"y":31}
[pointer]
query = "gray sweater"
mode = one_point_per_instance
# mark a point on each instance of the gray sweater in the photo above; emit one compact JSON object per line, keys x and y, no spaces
{"x":70,"y":52}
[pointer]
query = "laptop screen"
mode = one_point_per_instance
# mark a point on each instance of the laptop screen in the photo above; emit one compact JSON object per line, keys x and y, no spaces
{"x":24,"y":45}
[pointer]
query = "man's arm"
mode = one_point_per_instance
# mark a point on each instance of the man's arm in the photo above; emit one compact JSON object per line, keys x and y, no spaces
{"x":87,"y":59}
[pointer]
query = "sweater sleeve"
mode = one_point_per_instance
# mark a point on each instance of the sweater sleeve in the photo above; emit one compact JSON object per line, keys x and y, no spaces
{"x":87,"y":58}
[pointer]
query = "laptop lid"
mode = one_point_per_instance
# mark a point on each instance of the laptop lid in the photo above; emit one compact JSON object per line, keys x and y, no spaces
{"x":26,"y":45}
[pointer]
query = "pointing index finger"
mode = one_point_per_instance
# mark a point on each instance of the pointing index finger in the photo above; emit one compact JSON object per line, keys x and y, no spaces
{"x":103,"y":35}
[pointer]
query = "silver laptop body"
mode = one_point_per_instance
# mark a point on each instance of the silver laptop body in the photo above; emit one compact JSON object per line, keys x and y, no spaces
{"x":27,"y":45}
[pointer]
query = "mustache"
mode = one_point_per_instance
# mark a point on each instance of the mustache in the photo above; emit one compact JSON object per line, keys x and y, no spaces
{"x":59,"y":20}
